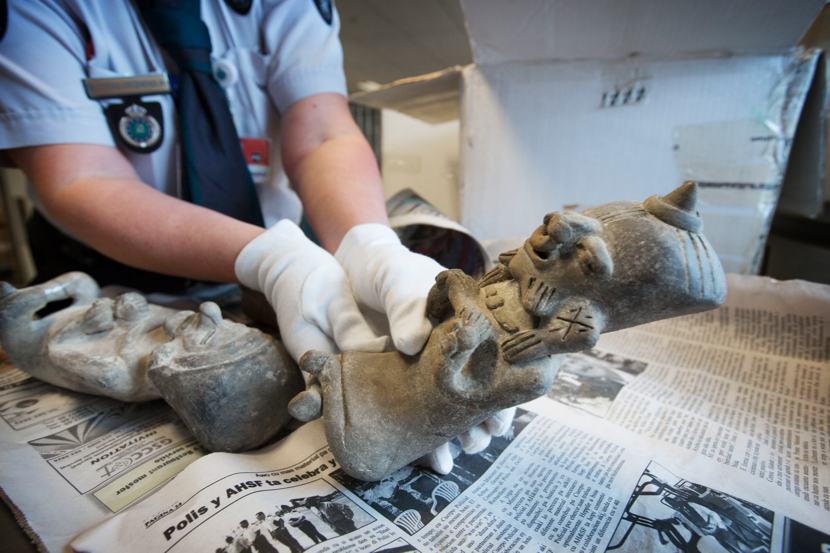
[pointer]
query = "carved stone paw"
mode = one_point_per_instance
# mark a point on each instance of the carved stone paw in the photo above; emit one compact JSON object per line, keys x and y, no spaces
{"x":499,"y":273}
{"x":453,"y":289}
{"x":307,"y":405}
{"x":525,"y":346}
{"x":537,"y":297}
{"x":466,"y":332}
{"x":575,"y":329}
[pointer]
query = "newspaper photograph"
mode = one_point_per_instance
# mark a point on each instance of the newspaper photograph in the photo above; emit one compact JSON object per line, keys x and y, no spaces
{"x":687,"y":516}
{"x":590,"y":380}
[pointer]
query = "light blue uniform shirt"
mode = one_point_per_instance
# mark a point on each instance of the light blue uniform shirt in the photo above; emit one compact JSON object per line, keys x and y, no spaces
{"x":280,"y":52}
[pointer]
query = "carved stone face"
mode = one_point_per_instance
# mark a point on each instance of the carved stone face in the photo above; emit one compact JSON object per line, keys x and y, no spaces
{"x":205,"y":339}
{"x":230,"y":383}
{"x":627,"y":263}
{"x":567,"y":254}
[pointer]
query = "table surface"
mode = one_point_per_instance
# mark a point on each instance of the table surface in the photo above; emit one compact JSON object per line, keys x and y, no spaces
{"x":14,"y":539}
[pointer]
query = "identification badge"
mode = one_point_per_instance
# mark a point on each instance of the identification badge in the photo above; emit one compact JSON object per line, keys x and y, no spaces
{"x":257,"y":152}
{"x":137,"y":123}
{"x":119,"y":87}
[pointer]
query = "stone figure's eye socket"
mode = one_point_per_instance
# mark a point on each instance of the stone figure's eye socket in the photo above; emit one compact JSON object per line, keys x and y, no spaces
{"x":593,"y":257}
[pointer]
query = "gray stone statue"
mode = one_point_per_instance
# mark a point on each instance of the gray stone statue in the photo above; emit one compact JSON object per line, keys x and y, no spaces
{"x":229,"y":383}
{"x":96,"y":345}
{"x":501,"y":340}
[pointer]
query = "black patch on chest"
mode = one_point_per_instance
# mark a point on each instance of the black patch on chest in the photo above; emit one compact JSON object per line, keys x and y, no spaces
{"x":240,"y":6}
{"x":4,"y":18}
{"x":326,"y":10}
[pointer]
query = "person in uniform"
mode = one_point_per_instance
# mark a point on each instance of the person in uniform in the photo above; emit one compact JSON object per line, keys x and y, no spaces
{"x":260,"y":542}
{"x":307,"y":527}
{"x":281,"y":534}
{"x":128,"y":178}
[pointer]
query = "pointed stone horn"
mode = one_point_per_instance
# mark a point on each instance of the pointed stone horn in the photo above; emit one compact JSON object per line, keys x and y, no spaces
{"x":679,"y":208}
{"x":684,"y":198}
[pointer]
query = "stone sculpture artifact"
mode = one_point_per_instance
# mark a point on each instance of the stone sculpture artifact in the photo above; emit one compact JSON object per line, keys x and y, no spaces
{"x":96,"y":345}
{"x":501,"y":340}
{"x":229,"y":383}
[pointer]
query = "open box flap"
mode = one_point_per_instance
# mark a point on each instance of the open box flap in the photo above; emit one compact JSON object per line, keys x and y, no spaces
{"x":432,"y":98}
{"x":532,"y":30}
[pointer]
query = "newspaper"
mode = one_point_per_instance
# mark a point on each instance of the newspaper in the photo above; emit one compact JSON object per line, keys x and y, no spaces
{"x":706,"y":433}
{"x":69,"y":460}
{"x":424,"y":229}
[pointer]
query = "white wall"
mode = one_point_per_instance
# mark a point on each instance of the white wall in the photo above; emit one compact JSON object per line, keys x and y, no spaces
{"x":422,"y":157}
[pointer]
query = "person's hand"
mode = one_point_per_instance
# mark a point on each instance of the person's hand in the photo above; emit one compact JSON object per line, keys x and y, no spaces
{"x":309,"y":292}
{"x":389,"y":278}
{"x":474,"y":440}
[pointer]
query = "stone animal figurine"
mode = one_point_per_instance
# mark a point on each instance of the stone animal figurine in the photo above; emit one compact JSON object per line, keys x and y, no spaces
{"x":229,"y":383}
{"x":96,"y":345}
{"x":501,"y":340}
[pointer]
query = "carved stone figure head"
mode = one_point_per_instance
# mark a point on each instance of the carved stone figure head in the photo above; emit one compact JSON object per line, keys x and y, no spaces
{"x":627,"y":262}
{"x":97,"y":345}
{"x":230,"y":383}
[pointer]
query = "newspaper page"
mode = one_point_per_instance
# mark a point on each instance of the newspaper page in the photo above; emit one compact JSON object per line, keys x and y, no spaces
{"x":69,"y":460}
{"x":570,"y":476}
{"x":546,"y":483}
{"x":746,"y":385}
{"x":558,"y":482}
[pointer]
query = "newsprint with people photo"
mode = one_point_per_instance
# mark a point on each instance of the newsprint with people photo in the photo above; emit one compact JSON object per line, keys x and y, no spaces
{"x":707,"y":433}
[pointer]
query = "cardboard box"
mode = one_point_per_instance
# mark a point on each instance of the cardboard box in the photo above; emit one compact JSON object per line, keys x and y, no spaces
{"x":572,"y":103}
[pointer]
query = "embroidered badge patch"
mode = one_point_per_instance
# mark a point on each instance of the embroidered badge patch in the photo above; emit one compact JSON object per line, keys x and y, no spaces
{"x":137,"y":124}
{"x":326,"y":10}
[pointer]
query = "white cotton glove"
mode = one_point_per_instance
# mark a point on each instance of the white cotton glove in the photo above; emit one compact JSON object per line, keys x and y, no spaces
{"x":387,"y":277}
{"x":476,"y":439}
{"x":440,"y":460}
{"x":309,"y":292}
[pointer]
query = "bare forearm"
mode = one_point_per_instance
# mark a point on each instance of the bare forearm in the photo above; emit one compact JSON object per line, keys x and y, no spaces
{"x":340,"y":188}
{"x":96,"y":194}
{"x":133,"y":223}
{"x":332,"y":168}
